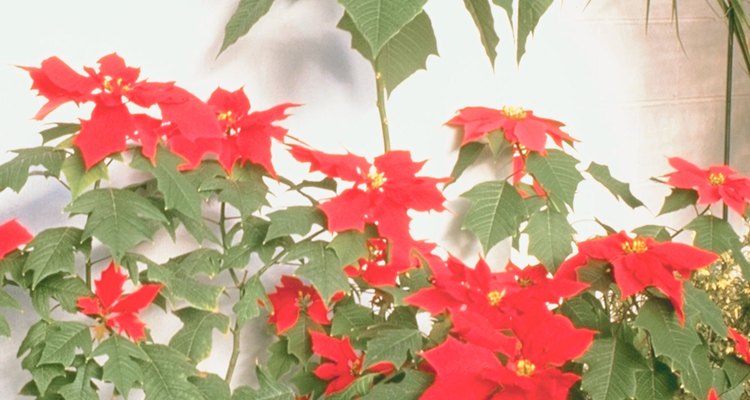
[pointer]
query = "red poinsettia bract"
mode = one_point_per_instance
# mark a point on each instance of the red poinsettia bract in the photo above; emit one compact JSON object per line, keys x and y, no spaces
{"x":247,"y":135}
{"x":111,"y":89}
{"x":741,"y":346}
{"x":642,"y":262}
{"x":341,"y":365}
{"x":118,"y":311}
{"x":293,"y":298}
{"x":520,"y":127}
{"x":718,"y":182}
{"x":12,"y":235}
{"x":382,"y":194}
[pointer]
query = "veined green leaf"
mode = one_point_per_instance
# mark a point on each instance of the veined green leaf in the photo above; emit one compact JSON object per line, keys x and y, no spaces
{"x":482,"y":15}
{"x":61,"y":340}
{"x":52,"y":251}
{"x":550,"y":237}
{"x":467,"y":155}
{"x":717,"y":235}
{"x":612,"y":366}
{"x":407,"y":387}
{"x":248,"y":12}
{"x":495,"y":213}
{"x":65,"y":289}
{"x":619,"y":189}
{"x":78,"y":177}
{"x":668,"y":338}
{"x":393,"y":345}
{"x":269,"y":388}
{"x":59,"y":130}
{"x":165,"y":374}
{"x":179,"y":278}
{"x":297,"y":220}
{"x":121,"y":367}
{"x":557,"y":174}
{"x":380,"y":20}
{"x":15,"y":173}
{"x":529,"y":13}
{"x":679,"y":199}
{"x":195,"y":337}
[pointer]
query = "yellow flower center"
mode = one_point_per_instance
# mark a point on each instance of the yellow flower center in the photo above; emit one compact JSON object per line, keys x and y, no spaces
{"x":514,"y":112}
{"x":376,"y":179}
{"x":100,"y":331}
{"x":303,"y":300}
{"x":355,"y":366}
{"x":636,"y":246}
{"x":524,"y":367}
{"x":494,"y":297}
{"x":525,"y":282}
{"x":109,"y":87}
{"x":225,"y":116}
{"x":716,"y":178}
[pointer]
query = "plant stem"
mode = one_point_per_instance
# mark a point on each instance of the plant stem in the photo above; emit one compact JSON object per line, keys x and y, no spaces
{"x":380,"y":89}
{"x":88,"y":272}
{"x":224,"y":244}
{"x":235,"y":353}
{"x":728,"y":96}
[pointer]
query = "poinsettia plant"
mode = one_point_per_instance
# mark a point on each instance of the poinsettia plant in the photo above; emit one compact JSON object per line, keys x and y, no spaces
{"x":363,"y":309}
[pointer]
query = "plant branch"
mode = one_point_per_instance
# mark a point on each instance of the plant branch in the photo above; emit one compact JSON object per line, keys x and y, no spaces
{"x":728,"y":96}
{"x":380,"y":89}
{"x":235,"y":352}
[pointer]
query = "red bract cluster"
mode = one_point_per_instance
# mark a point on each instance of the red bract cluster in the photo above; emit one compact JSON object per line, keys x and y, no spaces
{"x":246,"y":136}
{"x":718,"y":182}
{"x":642,"y":262}
{"x":293,"y":298}
{"x":118,"y":311}
{"x":341,"y":365}
{"x":382,"y":194}
{"x":112,"y":88}
{"x":520,"y":127}
{"x":506,"y":313}
{"x":741,"y":346}
{"x":12,"y":235}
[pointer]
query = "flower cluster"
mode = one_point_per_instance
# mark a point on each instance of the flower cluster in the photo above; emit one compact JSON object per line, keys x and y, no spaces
{"x":506,"y":341}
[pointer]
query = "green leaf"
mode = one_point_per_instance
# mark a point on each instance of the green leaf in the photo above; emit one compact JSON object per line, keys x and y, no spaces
{"x":506,"y":5}
{"x":8,"y":301}
{"x":4,"y":326}
{"x":118,"y":218}
{"x":393,"y":345}
{"x":679,"y":199}
{"x":121,"y":367}
{"x":658,"y":232}
{"x":52,"y":251}
{"x":66,"y":290}
{"x":557,"y":174}
{"x":482,"y":16}
{"x":323,"y":268}
{"x":58,"y":131}
{"x":696,"y":374}
{"x":298,"y":340}
{"x":280,"y":361}
{"x":15,"y":173}
{"x":165,"y":374}
{"x":496,"y":211}
{"x":585,"y":311}
{"x":80,"y":388}
{"x":550,"y":238}
{"x":619,"y":189}
{"x":700,"y":308}
{"x":668,"y":338}
{"x":408,"y":385}
{"x":380,"y":20}
{"x":717,"y":235}
{"x":194,"y":338}
{"x":269,"y":388}
{"x":78,"y":177}
{"x":656,"y":384}
{"x":179,"y":192}
{"x":360,"y":387}
{"x":467,"y":155}
{"x":738,"y":372}
{"x":247,"y":307}
{"x":612,"y":366}
{"x":296,"y":220}
{"x":61,"y":340}
{"x":248,"y":12}
{"x":499,"y":146}
{"x":179,"y":278}
{"x":350,"y":318}
{"x":44,"y":375}
{"x":244,"y":190}
{"x":196,"y":227}
{"x":402,"y":55}
{"x":349,"y":246}
{"x":211,"y":386}
{"x":306,"y":382}
{"x":529,"y":13}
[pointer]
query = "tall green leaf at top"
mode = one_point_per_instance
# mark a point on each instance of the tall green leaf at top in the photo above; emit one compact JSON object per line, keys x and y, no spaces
{"x":248,"y":12}
{"x":529,"y":13}
{"x":380,"y":20}
{"x":482,"y":16}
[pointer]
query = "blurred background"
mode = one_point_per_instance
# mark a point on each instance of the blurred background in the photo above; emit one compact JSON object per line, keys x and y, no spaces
{"x":632,"y":96}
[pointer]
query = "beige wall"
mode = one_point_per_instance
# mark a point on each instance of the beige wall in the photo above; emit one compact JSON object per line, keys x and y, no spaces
{"x":631,"y":98}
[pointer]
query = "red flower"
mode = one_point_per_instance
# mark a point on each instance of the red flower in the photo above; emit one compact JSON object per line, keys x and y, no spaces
{"x":111,"y":88}
{"x":712,"y":395}
{"x":642,"y":262}
{"x":344,"y":364}
{"x":12,"y":235}
{"x":382,"y":194}
{"x":718,"y":182}
{"x":115,"y":309}
{"x":460,"y":369}
{"x":247,"y":136}
{"x":521,"y":127}
{"x":292,"y":298}
{"x":741,"y":345}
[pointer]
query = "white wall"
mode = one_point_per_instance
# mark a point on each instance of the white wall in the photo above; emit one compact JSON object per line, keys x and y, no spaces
{"x":631,"y":98}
